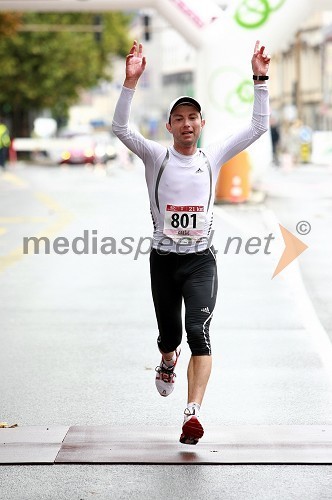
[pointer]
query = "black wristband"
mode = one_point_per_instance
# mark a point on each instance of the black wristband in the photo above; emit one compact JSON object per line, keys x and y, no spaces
{"x":260,"y":77}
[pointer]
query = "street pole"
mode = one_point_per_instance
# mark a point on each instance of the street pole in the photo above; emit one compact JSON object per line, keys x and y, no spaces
{"x":298,"y":97}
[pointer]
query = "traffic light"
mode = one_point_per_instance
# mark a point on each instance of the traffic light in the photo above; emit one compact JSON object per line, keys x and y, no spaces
{"x":147,"y":27}
{"x":98,"y":23}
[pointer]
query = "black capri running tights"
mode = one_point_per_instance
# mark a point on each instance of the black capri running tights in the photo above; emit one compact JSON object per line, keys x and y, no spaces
{"x":193,"y":278}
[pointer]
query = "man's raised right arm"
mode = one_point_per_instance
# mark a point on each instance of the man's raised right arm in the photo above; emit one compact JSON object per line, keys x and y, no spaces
{"x":135,"y":65}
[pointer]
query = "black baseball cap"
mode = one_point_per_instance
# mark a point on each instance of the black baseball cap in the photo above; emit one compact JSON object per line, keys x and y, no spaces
{"x":184,"y":99}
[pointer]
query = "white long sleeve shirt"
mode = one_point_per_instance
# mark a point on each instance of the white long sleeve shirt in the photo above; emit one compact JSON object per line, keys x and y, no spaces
{"x":181,"y":187}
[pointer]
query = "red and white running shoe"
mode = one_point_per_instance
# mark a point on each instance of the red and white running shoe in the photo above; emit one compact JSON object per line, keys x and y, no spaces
{"x":165,"y":377}
{"x":192,"y":429}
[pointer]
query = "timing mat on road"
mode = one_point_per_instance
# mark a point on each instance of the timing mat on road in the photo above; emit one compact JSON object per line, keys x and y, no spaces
{"x":225,"y":444}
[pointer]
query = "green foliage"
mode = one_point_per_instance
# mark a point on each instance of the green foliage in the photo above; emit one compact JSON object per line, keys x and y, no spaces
{"x":47,"y":69}
{"x":9,"y":22}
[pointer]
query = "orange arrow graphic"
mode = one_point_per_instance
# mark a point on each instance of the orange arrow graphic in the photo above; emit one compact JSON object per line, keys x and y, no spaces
{"x":293,"y":248}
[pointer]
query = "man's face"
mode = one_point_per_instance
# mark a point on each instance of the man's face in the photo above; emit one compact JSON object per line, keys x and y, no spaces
{"x":185,"y":125}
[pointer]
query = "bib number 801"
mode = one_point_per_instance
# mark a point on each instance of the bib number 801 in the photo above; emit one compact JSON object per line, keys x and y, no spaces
{"x":183,"y":220}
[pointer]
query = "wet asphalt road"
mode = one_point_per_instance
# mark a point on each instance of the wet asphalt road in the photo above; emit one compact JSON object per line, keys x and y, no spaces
{"x":78,"y":330}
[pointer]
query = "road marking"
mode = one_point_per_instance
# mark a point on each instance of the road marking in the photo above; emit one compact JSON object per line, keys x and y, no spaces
{"x":294,"y":282}
{"x":247,"y":230}
{"x":14,"y":179}
{"x":63,"y":219}
{"x":293,"y":245}
{"x":307,"y":313}
{"x":22,"y":220}
{"x":50,"y":203}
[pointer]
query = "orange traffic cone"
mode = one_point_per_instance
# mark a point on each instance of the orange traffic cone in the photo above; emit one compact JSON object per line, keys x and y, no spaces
{"x":233,"y":184}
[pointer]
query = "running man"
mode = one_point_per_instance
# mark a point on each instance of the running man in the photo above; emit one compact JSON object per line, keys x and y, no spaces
{"x":181,"y":182}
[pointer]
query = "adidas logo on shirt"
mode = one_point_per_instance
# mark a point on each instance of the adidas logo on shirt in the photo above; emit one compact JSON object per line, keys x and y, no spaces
{"x":199,"y":171}
{"x":205,"y":310}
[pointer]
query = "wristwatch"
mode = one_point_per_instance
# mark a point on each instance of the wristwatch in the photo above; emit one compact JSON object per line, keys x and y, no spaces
{"x":260,"y":77}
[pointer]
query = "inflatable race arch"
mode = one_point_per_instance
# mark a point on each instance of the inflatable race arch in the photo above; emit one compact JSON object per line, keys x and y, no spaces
{"x":224,"y":39}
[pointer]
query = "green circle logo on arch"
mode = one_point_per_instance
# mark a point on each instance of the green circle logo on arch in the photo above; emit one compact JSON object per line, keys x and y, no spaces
{"x":253,"y":14}
{"x":230,"y":92}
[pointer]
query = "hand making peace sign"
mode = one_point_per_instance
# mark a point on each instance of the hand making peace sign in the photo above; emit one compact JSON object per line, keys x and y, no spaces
{"x":260,"y":61}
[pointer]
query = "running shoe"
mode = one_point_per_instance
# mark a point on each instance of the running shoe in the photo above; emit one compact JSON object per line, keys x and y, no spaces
{"x":192,"y":429}
{"x":165,"y":377}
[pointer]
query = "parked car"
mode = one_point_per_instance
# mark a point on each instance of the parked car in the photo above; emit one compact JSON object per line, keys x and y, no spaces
{"x":92,"y":148}
{"x":81,"y":149}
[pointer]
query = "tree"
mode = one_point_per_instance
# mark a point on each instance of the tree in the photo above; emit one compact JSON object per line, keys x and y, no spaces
{"x":47,"y":66}
{"x":9,"y":23}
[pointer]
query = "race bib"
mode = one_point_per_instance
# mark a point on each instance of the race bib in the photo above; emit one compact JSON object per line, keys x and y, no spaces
{"x":184,"y":223}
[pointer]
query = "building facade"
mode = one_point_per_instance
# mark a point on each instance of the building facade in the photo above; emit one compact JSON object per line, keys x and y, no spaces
{"x":301,"y":76}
